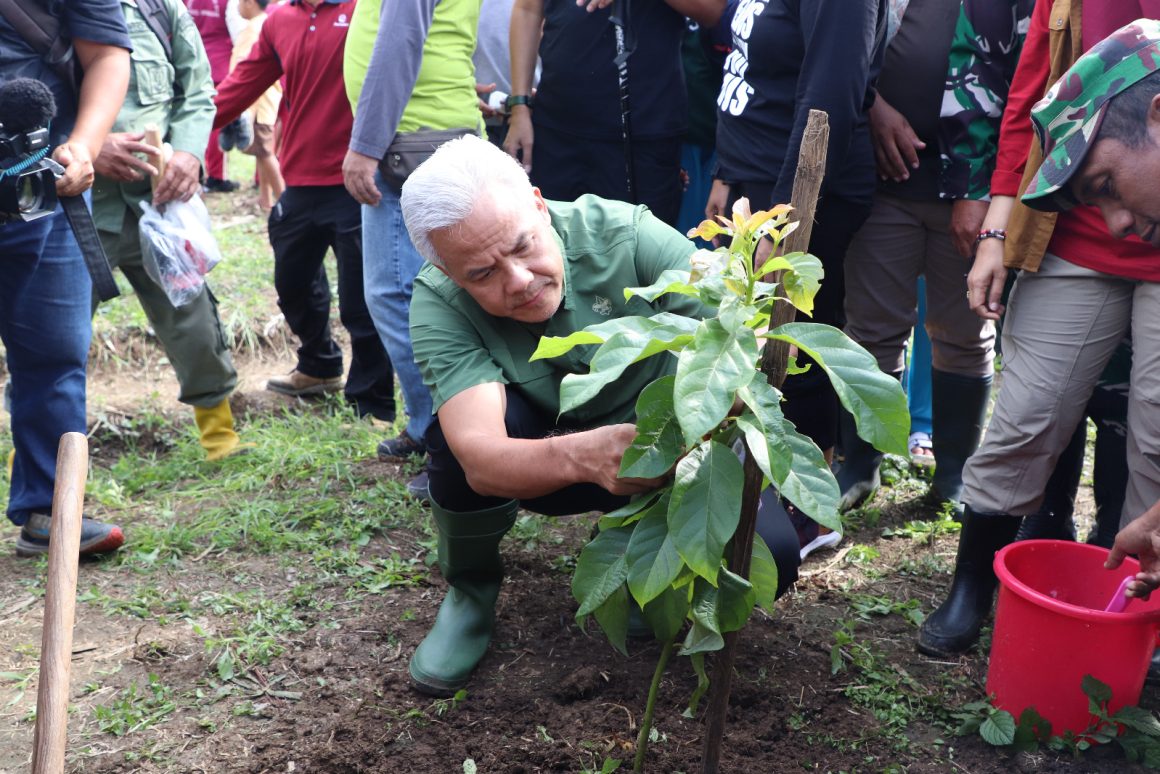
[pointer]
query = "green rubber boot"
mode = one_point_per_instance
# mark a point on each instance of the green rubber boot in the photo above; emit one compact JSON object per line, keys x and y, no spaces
{"x":470,"y":563}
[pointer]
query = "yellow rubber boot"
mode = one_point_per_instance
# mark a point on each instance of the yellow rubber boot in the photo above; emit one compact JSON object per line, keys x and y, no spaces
{"x":217,"y":431}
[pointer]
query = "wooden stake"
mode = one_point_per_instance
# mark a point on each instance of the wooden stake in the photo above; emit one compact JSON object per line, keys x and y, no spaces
{"x":72,"y":465}
{"x":775,"y":357}
{"x":153,"y":137}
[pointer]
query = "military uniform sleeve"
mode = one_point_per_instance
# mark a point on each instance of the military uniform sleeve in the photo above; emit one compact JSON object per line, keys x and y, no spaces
{"x":191,"y":117}
{"x":660,"y":247}
{"x":984,"y":52}
{"x":448,"y":350}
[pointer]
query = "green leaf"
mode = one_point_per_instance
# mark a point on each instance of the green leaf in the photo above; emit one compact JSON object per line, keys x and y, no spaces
{"x":630,"y":512}
{"x":1097,"y":691}
{"x":1139,"y":719}
{"x":763,"y":574}
{"x":773,"y":263}
{"x":554,"y":346}
{"x":709,"y":373}
{"x":613,"y":619}
{"x":666,"y":614}
{"x":801,"y":283}
{"x":998,"y":729}
{"x":698,"y":662}
{"x":755,"y":442}
{"x":735,"y":600}
{"x":809,"y":484}
{"x":875,"y":399}
{"x":705,"y":506}
{"x":764,"y":400}
{"x":600,"y":570}
{"x":658,"y":443}
{"x":652,"y":558}
{"x":705,"y":633}
{"x":670,"y":281}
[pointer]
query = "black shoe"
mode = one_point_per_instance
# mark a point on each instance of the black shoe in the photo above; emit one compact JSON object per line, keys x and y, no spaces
{"x":217,"y":185}
{"x":419,"y":488}
{"x":401,"y":448}
{"x":96,"y":536}
{"x":954,"y":627}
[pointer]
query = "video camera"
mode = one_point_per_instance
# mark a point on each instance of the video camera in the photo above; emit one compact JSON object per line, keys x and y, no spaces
{"x":27,"y":176}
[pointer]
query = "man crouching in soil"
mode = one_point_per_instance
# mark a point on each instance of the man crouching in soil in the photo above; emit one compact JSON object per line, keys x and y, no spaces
{"x":505,"y":267}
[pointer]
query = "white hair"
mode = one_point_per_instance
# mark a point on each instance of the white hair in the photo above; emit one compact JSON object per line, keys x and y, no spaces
{"x":443,"y":190}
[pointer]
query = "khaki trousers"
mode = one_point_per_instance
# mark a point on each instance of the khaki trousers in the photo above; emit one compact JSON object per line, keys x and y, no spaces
{"x":1063,"y":323}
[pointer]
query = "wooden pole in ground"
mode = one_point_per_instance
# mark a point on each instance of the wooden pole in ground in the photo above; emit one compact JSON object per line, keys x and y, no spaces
{"x":153,"y":137}
{"x":806,"y":186}
{"x":72,"y":466}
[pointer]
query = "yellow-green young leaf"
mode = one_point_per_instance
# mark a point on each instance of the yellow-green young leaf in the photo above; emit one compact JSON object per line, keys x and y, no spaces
{"x":705,"y":506}
{"x":600,"y":570}
{"x":658,"y":442}
{"x":709,"y":373}
{"x":669,"y":281}
{"x":613,"y":619}
{"x":554,"y":346}
{"x":876,"y":400}
{"x":763,"y":574}
{"x":802,"y":281}
{"x":666,"y":614}
{"x":774,"y":263}
{"x":735,"y":600}
{"x":809,"y":484}
{"x":652,"y":558}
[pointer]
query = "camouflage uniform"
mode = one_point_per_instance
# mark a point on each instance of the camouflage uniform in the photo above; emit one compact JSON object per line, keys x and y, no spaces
{"x":985,"y":49}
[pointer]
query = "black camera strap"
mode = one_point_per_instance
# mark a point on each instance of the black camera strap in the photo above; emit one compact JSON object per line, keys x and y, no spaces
{"x":96,"y":261}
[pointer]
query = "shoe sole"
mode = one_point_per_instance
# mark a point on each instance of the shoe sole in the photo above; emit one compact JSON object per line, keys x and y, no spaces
{"x":304,"y":392}
{"x":826,"y":540}
{"x":110,"y":542}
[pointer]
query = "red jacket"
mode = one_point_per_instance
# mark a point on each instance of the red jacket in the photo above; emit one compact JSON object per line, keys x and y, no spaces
{"x":304,"y":43}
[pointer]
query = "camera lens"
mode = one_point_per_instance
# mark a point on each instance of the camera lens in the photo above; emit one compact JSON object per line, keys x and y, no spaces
{"x":31,"y":196}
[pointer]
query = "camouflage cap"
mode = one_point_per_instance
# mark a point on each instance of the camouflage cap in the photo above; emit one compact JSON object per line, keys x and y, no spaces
{"x":1068,"y":117}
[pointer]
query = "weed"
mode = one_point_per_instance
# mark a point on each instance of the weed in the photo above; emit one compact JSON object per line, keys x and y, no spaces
{"x":136,"y":708}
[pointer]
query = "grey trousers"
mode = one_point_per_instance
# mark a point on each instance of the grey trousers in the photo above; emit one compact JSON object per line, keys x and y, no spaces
{"x":1063,"y":323}
{"x":900,"y":241}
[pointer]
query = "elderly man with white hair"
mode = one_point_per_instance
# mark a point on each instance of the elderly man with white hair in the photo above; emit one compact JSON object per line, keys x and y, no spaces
{"x":505,"y":267}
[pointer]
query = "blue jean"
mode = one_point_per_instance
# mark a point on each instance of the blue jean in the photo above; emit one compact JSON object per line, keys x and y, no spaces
{"x":390,"y":263}
{"x":45,"y":294}
{"x":917,"y":377}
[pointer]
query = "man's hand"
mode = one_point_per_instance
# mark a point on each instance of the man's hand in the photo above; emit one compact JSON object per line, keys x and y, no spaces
{"x":966,"y":223}
{"x":718,"y":200}
{"x":358,"y":174}
{"x":180,"y":180}
{"x":599,"y":452}
{"x":986,"y":279}
{"x":593,"y":5}
{"x":483,"y":91}
{"x":520,"y":136}
{"x":118,"y":160}
{"x":895,"y":143}
{"x":1142,"y":538}
{"x":78,"y":168}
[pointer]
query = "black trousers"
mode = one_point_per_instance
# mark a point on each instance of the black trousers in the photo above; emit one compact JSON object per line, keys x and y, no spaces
{"x":304,"y":224}
{"x":449,"y":488}
{"x":566,"y":166}
{"x":811,"y":403}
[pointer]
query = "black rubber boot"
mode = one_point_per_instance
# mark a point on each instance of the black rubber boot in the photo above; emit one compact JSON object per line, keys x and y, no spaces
{"x":1055,"y":518}
{"x":958,"y":413}
{"x":954,"y":627}
{"x":1109,"y":408}
{"x":470,"y":563}
{"x":858,"y":477}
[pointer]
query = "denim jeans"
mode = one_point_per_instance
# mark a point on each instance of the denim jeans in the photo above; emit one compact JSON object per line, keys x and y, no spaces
{"x":45,"y":295}
{"x":390,"y":263}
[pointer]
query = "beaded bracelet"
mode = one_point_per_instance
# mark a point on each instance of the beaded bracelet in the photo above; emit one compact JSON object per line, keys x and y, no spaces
{"x":991,"y":233}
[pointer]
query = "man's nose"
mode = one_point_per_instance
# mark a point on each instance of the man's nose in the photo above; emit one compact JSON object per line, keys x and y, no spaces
{"x":1120,"y":221}
{"x":518,"y":277}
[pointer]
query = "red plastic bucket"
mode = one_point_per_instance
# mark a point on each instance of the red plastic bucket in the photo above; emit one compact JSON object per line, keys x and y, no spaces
{"x":1051,"y":630}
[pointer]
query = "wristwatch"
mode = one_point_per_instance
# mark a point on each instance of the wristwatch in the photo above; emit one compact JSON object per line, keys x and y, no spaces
{"x":518,"y":99}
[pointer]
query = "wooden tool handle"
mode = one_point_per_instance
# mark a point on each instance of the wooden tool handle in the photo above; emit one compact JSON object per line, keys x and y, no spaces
{"x":72,"y":467}
{"x":153,"y":137}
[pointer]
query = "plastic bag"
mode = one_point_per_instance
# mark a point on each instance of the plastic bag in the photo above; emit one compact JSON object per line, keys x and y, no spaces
{"x":178,"y":248}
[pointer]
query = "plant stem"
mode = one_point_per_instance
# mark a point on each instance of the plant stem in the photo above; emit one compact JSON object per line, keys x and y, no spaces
{"x":650,"y":708}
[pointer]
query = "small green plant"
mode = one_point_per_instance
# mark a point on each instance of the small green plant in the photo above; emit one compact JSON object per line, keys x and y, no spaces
{"x":666,"y":551}
{"x":1135,"y":730}
{"x":136,"y":708}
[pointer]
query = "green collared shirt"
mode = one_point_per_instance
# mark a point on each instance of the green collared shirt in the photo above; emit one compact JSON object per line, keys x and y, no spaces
{"x":607,"y":247}
{"x":174,"y":94}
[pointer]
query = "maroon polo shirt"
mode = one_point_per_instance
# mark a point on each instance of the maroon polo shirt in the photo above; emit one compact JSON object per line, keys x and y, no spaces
{"x":304,"y":44}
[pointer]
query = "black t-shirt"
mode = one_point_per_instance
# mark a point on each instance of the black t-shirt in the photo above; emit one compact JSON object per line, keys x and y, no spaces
{"x":773,"y":79}
{"x":579,"y":89}
{"x":99,"y":21}
{"x":912,"y":81}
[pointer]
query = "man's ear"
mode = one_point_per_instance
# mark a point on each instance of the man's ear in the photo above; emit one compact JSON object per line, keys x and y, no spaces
{"x":1154,"y":119}
{"x":541,"y":205}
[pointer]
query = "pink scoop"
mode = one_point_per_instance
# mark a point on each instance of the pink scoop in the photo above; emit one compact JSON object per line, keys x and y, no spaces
{"x":1120,"y":599}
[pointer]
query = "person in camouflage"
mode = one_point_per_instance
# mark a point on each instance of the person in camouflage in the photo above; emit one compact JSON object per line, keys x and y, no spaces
{"x":1078,"y":295}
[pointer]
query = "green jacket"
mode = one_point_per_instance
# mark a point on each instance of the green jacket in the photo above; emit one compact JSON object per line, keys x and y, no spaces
{"x":176,"y":95}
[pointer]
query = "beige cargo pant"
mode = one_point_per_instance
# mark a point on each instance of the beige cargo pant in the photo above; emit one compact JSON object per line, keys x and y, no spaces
{"x":1063,"y":323}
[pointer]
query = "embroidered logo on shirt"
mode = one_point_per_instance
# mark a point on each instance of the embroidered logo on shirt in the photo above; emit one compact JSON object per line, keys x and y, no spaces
{"x":343,"y":21}
{"x":602,"y":306}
